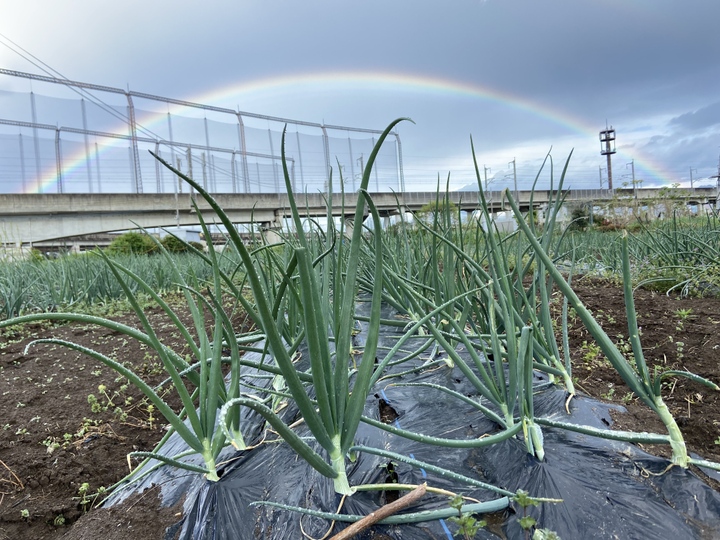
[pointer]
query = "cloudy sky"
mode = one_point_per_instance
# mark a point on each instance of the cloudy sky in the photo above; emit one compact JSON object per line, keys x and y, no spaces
{"x":519,"y":76}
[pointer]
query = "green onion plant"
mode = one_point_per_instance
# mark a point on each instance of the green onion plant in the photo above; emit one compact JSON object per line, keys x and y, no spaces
{"x":208,"y":390}
{"x":333,"y":416}
{"x":646,"y":385}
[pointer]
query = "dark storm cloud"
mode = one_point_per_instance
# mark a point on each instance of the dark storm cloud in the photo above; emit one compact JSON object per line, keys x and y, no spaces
{"x":635,"y":64}
{"x":702,"y":118}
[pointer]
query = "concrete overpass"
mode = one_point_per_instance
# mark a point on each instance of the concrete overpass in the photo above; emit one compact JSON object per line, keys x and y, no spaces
{"x":30,"y":218}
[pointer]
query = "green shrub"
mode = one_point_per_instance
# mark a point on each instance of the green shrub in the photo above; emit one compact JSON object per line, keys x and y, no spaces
{"x":580,"y":218}
{"x":35,"y":255}
{"x":132,"y":242}
{"x":173,"y":244}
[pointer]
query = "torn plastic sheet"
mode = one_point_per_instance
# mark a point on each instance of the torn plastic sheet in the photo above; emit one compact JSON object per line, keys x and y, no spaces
{"x":609,"y":489}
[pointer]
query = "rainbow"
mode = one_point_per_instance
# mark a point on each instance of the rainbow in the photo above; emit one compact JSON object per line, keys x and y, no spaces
{"x":363,"y":81}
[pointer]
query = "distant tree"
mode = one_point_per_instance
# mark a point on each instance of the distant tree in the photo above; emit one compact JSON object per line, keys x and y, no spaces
{"x":438,"y":208}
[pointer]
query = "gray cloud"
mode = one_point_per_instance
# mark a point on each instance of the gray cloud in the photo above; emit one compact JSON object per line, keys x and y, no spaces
{"x":699,"y":119}
{"x":650,"y":69}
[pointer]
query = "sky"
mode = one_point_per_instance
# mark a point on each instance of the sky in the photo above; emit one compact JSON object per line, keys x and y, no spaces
{"x":521,"y":77}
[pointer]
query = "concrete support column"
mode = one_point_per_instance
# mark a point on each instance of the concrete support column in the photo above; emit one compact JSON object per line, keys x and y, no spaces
{"x":541,"y":213}
{"x":468,"y":216}
{"x":271,"y":230}
{"x":271,"y":235}
{"x":349,"y":226}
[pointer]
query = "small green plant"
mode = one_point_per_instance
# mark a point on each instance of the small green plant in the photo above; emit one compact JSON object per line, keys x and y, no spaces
{"x":680,"y":347}
{"x":527,"y":522}
{"x":59,"y":521}
{"x":51,"y":443}
{"x":468,"y":526}
{"x":683,"y":315}
{"x":95,"y":405}
{"x":591,"y":351}
{"x":25,"y":513}
{"x":610,"y":392}
{"x":525,"y":501}
{"x":83,"y":492}
{"x":86,"y":498}
{"x":82,"y":431}
{"x":150,"y":409}
{"x":625,"y":346}
{"x":106,"y":401}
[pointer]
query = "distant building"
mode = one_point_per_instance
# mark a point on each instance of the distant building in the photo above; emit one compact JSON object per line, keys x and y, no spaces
{"x":189,"y":235}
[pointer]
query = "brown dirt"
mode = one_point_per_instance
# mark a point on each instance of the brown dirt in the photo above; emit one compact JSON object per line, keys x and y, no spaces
{"x":676,"y":333}
{"x":51,"y":441}
{"x":45,"y":400}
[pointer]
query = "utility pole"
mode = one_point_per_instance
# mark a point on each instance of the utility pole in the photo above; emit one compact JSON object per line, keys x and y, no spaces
{"x":717,"y":185}
{"x":488,"y":198}
{"x":692,"y":186}
{"x":515,"y":180}
{"x":607,"y":138}
{"x":634,"y":185}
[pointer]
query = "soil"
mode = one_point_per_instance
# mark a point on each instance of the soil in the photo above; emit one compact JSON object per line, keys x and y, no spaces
{"x":52,"y":443}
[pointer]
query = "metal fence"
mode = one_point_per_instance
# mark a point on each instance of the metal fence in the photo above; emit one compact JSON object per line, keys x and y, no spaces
{"x":61,"y":136}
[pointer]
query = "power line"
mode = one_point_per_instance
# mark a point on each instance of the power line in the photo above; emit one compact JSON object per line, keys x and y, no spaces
{"x":73,"y":86}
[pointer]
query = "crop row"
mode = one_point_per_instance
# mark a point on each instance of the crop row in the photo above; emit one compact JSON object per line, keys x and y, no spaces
{"x":458,"y":288}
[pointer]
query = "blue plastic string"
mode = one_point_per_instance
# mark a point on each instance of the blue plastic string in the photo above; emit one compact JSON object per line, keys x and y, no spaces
{"x":422,"y":471}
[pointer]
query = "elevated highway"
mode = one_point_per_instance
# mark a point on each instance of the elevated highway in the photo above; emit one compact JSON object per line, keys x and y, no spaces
{"x":29,"y":218}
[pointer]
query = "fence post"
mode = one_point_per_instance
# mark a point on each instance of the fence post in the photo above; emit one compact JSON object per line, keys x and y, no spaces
{"x":299,"y":154}
{"x":400,"y":163}
{"x":158,"y":170}
{"x":243,"y":152}
{"x":87,"y":145}
{"x":36,"y":140}
{"x":276,"y":179}
{"x":58,"y":161}
{"x":137,"y":174}
{"x":352,"y":164}
{"x":22,"y":163}
{"x":326,"y":148}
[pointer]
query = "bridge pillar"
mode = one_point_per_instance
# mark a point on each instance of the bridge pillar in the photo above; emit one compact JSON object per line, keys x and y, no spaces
{"x":349,"y":226}
{"x":271,"y":230}
{"x":270,"y":233}
{"x":468,"y":216}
